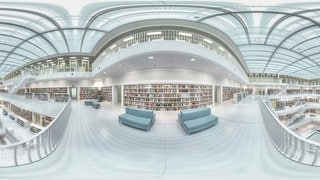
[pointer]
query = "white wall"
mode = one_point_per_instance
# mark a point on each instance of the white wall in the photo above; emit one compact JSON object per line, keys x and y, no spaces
{"x":140,"y":77}
{"x":64,"y":83}
{"x":169,"y":76}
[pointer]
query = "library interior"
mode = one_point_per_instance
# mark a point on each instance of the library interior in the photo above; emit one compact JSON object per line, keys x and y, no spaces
{"x":167,"y":89}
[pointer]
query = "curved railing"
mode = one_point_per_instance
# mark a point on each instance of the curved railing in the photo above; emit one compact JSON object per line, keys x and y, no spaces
{"x":40,"y":145}
{"x":163,"y":34}
{"x":286,"y":141}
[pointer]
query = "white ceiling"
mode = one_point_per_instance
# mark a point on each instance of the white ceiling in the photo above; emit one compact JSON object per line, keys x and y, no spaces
{"x":165,"y":60}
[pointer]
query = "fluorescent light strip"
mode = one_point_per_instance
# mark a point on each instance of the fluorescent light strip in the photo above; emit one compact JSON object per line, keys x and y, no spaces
{"x":221,"y":48}
{"x":160,"y":39}
{"x":113,"y":46}
{"x":208,"y":41}
{"x":154,"y":33}
{"x":185,"y":34}
{"x":128,"y":39}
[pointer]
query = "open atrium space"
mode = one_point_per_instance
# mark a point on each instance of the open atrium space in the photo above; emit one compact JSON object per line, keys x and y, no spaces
{"x":168,"y":90}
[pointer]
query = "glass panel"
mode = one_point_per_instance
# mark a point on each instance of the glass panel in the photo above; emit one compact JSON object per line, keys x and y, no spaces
{"x":43,"y":44}
{"x":73,"y":37}
{"x":26,"y":53}
{"x":91,"y":39}
{"x":34,"y":49}
{"x":57,"y":40}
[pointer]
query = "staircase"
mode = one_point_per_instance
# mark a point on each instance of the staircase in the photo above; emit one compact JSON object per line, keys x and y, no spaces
{"x":20,"y":83}
{"x":284,"y":90}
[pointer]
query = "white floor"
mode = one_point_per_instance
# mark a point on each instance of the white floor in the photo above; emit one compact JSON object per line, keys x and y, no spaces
{"x":97,"y":147}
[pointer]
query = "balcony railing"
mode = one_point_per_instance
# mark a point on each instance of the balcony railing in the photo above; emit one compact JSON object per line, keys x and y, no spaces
{"x":286,"y":141}
{"x":39,"y":146}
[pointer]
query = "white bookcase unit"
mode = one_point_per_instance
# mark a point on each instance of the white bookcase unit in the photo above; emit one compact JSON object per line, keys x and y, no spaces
{"x":167,"y":97}
{"x":61,"y":97}
{"x":43,"y":96}
{"x":239,"y":96}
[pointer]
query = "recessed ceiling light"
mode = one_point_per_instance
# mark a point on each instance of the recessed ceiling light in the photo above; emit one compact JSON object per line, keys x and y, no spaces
{"x":192,"y":59}
{"x":150,"y":57}
{"x":120,"y":65}
{"x":257,"y":39}
{"x":104,"y":72}
{"x":229,"y":74}
{"x":217,"y":67}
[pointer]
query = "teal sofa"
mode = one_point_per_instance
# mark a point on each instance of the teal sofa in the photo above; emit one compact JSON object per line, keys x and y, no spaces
{"x":92,"y":103}
{"x":138,"y":118}
{"x":196,"y":120}
{"x":4,"y":112}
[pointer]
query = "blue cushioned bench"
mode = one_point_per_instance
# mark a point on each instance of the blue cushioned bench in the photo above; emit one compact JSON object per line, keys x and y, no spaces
{"x":138,"y":118}
{"x":92,"y":103}
{"x":198,"y":119}
{"x":12,"y":117}
{"x":4,"y":112}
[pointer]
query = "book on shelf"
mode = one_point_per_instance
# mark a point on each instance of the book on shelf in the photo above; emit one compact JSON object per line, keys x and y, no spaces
{"x":167,"y":96}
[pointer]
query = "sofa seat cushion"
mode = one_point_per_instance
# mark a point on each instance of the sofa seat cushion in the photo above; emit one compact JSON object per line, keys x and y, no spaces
{"x":135,"y":121}
{"x":139,"y":112}
{"x":200,"y":123}
{"x":191,"y":114}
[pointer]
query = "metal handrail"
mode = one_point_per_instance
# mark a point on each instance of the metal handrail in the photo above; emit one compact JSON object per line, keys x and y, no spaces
{"x":286,"y":141}
{"x":38,"y":146}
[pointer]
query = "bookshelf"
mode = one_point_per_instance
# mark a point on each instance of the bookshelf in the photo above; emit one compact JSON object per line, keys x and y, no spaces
{"x":88,"y":92}
{"x":23,"y":122}
{"x":61,"y":97}
{"x":46,"y":120}
{"x":20,"y":91}
{"x":21,"y":112}
{"x":239,"y":96}
{"x":35,"y":128}
{"x":106,"y":93}
{"x":167,"y":97}
{"x":50,"y":91}
{"x":227,"y":92}
{"x":29,"y":95}
{"x":43,"y":96}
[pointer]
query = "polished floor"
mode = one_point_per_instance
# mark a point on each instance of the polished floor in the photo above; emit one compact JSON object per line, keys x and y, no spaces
{"x":95,"y":146}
